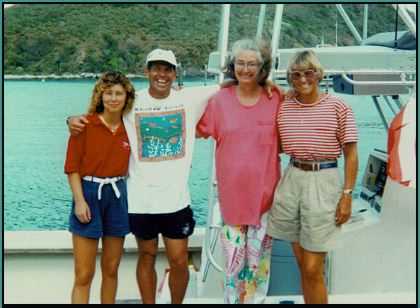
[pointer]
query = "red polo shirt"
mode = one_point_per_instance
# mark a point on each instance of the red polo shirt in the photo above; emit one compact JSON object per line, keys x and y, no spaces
{"x":97,"y":151}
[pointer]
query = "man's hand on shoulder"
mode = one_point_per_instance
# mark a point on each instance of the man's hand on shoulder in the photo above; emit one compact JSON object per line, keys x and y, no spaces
{"x":76,"y":124}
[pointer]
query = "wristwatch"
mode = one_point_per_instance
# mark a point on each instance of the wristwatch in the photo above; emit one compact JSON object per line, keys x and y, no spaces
{"x":348,"y":191}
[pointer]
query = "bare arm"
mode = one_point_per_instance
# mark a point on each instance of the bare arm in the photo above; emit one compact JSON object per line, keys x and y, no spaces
{"x":76,"y":124}
{"x":351,"y":163}
{"x":81,"y":208}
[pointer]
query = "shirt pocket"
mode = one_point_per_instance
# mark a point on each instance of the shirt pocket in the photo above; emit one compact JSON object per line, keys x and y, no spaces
{"x":266,"y":132}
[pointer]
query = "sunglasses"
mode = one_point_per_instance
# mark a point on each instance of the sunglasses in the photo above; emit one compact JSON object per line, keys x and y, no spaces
{"x":308,"y":74}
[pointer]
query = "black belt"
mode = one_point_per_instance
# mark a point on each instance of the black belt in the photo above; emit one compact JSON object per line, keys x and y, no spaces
{"x":313,"y":166}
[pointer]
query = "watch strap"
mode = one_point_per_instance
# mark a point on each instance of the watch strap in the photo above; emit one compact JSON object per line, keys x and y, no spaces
{"x":348,"y":191}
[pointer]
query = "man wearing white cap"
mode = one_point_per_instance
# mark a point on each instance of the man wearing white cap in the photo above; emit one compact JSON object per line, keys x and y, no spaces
{"x":161,"y":129}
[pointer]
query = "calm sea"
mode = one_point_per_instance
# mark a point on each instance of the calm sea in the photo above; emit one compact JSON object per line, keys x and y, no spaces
{"x":36,"y":192}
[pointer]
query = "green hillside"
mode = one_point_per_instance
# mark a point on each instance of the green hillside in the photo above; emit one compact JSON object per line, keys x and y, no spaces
{"x":75,"y":38}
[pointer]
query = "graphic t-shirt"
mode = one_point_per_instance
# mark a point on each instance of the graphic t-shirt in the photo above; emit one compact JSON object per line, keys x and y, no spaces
{"x":162,"y":136}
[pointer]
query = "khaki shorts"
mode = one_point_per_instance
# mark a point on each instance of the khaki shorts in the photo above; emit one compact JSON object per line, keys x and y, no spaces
{"x":304,"y":208}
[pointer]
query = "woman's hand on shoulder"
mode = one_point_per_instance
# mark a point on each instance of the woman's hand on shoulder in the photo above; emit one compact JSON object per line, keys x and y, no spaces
{"x":271,"y":87}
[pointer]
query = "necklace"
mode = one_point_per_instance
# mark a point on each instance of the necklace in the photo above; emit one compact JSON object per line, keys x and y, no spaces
{"x":112,"y":128}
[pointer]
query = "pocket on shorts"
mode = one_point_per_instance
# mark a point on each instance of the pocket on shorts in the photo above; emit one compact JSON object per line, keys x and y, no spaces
{"x":330,"y":191}
{"x":186,"y":223}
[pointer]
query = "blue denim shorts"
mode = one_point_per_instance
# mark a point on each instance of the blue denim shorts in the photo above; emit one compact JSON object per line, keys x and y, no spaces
{"x":109,"y":216}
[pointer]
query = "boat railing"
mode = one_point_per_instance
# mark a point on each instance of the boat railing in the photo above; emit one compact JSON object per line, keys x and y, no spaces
{"x":403,"y":82}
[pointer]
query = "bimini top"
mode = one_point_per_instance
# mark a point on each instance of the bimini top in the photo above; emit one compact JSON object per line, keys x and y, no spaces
{"x":405,"y":40}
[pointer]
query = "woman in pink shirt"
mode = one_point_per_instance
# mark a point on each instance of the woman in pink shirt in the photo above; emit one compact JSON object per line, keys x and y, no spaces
{"x":242,"y":120}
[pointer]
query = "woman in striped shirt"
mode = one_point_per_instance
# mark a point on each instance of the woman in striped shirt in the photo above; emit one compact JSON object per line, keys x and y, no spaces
{"x":310,"y":202}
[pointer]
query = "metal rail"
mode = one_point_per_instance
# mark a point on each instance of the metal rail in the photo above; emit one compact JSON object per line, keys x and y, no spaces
{"x":349,"y":24}
{"x":380,"y":111}
{"x":276,"y":36}
{"x":261,"y":19}
{"x":209,"y":244}
{"x":378,"y":82}
{"x":403,"y":13}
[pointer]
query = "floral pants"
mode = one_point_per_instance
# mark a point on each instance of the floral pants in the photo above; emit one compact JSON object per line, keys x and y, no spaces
{"x":247,"y":251}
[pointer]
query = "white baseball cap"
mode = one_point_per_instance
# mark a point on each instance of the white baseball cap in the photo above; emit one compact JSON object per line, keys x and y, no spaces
{"x":161,"y":55}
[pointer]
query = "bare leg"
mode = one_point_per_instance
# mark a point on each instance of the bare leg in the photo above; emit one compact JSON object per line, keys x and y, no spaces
{"x":177,"y":253}
{"x":112,"y":249}
{"x":84,"y":251}
{"x":146,"y":273}
{"x":298,"y":251}
{"x":314,"y":277}
{"x":314,"y":288}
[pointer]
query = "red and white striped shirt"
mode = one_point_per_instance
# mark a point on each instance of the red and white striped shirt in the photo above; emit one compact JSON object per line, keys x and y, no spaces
{"x":317,"y":132}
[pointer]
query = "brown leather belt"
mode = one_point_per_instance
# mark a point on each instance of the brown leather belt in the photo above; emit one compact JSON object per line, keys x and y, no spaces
{"x":313,"y":166}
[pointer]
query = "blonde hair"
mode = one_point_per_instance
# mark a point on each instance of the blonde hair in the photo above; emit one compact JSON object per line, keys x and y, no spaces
{"x":107,"y":80}
{"x":305,"y":59}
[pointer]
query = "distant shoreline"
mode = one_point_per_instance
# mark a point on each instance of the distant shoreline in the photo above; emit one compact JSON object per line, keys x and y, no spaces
{"x":81,"y":76}
{"x":64,"y":77}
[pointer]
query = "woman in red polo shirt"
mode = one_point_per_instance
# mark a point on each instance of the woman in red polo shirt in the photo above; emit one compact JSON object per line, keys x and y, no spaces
{"x":96,"y":165}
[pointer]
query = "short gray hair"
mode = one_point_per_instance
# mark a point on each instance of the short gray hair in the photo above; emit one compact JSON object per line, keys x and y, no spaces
{"x":246,"y":44}
{"x":263,"y":52}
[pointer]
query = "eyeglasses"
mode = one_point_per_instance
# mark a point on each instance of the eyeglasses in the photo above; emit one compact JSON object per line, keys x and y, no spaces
{"x":309,"y":74}
{"x":252,"y":66}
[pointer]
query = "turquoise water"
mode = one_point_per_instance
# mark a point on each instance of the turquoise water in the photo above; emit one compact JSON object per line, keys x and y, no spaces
{"x":36,"y":192}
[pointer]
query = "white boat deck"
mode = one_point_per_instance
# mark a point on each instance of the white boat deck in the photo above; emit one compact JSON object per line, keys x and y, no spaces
{"x":380,"y":298}
{"x":398,"y":298}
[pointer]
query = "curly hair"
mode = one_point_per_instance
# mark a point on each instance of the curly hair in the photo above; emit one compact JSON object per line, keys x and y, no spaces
{"x":263,"y":54}
{"x":109,"y":79}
